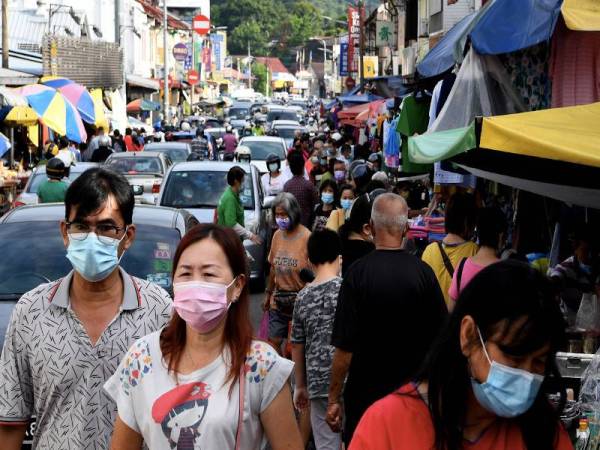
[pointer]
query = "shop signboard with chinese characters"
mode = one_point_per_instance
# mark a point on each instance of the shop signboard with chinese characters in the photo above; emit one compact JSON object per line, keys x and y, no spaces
{"x":384,"y":34}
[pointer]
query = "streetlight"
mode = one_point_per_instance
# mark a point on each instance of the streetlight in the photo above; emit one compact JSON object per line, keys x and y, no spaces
{"x":270,"y":46}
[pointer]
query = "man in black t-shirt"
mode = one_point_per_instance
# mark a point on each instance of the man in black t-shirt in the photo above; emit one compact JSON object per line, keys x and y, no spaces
{"x":390,"y":309}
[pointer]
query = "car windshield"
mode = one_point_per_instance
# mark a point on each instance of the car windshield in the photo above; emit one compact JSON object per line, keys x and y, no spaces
{"x":175,"y":154}
{"x":202,"y":189}
{"x":261,"y":149}
{"x":238,"y":113}
{"x":148,"y":258}
{"x":281,"y":115}
{"x":135,"y":165}
{"x":40,"y":177}
{"x":287,"y":133}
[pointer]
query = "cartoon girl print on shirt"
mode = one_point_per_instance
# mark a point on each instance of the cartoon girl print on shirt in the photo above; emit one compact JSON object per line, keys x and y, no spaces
{"x":180,"y":413}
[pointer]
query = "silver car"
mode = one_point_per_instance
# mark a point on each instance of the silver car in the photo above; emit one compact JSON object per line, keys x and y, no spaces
{"x":144,"y":171}
{"x":263,"y":146}
{"x":197,"y":187}
{"x":38,"y":176}
{"x":176,"y":151}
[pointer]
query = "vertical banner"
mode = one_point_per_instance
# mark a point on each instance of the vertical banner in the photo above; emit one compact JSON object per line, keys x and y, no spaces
{"x":343,"y":60}
{"x":217,"y":45}
{"x":353,"y":38}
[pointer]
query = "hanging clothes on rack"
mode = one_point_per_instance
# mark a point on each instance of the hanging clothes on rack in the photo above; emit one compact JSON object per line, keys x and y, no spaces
{"x":414,"y":119}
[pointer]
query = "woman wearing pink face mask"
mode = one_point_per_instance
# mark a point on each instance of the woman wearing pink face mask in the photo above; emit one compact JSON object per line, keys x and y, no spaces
{"x":202,"y":382}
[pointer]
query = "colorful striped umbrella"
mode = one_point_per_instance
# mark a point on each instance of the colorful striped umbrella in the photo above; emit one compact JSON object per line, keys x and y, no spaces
{"x":76,"y":94}
{"x":55,"y":111}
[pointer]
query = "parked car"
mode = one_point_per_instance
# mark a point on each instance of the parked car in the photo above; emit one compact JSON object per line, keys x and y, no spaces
{"x":176,"y":151}
{"x":197,"y":187}
{"x":29,"y":195}
{"x":144,"y":171}
{"x":281,"y":114}
{"x":158,"y":232}
{"x":263,"y":146}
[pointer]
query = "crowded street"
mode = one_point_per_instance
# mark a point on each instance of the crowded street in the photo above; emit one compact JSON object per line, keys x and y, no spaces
{"x":300,"y":225}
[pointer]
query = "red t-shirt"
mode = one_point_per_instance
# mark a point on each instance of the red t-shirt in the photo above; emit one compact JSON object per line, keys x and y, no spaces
{"x":404,"y":422}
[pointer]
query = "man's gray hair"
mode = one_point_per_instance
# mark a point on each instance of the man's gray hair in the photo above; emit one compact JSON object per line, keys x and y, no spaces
{"x":290,"y":205}
{"x":388,"y":218}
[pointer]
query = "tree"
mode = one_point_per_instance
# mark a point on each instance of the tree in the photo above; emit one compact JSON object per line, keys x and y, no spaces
{"x":302,"y":23}
{"x":260,"y":75}
{"x":248,"y":32}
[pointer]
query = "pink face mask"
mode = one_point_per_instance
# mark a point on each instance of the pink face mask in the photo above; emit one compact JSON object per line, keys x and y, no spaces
{"x":202,"y":305}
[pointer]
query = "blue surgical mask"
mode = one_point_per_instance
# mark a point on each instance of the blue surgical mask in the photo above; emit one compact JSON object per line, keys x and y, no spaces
{"x":507,"y":392}
{"x":283,"y":223}
{"x":346,"y":203}
{"x":92,"y":259}
{"x":327,"y":198}
{"x":340,"y":175}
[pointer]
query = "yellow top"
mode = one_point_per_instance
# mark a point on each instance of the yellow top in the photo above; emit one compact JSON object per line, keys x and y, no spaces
{"x":336,"y":220}
{"x":582,"y":15}
{"x":567,"y":134}
{"x":456,"y":253}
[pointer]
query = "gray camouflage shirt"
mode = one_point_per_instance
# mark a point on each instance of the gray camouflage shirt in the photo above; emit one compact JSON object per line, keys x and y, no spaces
{"x":312,"y":325}
{"x":50,"y":369}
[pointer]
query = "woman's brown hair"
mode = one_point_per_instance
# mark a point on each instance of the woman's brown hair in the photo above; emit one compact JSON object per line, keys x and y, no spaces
{"x":238,"y":330}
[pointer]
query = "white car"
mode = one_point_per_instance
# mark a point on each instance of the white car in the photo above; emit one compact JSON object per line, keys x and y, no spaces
{"x":29,"y":195}
{"x":263,"y":146}
{"x":285,"y":123}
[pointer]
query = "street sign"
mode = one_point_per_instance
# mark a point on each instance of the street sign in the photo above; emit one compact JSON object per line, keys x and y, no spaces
{"x":201,"y":24}
{"x":384,"y":36}
{"x":193,"y":77}
{"x":180,"y":51}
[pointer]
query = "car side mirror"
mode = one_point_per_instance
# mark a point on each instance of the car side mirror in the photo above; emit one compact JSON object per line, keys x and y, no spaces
{"x":248,"y":117}
{"x":268,"y":201}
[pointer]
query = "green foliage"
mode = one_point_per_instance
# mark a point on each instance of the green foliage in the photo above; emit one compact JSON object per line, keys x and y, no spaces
{"x":291,"y":22}
{"x":259,"y":72}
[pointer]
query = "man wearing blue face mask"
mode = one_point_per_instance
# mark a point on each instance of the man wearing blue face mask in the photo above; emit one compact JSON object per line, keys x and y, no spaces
{"x":67,"y":337}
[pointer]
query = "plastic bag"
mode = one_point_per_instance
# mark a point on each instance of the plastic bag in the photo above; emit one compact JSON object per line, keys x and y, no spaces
{"x":588,"y":315}
{"x":263,"y":330}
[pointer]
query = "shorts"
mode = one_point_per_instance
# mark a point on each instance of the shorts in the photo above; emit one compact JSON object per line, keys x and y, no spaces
{"x":278,"y":324}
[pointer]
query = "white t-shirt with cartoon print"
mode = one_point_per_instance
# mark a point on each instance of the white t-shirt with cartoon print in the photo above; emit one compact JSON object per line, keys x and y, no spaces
{"x":197,"y":412}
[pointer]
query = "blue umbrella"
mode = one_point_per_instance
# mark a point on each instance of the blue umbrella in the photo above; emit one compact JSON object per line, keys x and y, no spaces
{"x":4,"y":145}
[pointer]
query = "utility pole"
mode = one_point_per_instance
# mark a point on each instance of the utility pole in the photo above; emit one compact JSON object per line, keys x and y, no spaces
{"x":249,"y":68}
{"x":361,"y":5}
{"x":5,"y":34}
{"x":166,"y":64}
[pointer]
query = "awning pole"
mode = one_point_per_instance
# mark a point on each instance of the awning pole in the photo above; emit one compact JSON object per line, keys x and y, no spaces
{"x":12,"y":147}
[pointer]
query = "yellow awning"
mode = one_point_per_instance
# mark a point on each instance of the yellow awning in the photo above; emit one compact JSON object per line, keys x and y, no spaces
{"x":582,"y":15}
{"x":564,"y":134}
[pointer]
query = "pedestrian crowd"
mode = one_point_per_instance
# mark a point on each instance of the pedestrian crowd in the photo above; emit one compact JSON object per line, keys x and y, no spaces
{"x":367,"y":344}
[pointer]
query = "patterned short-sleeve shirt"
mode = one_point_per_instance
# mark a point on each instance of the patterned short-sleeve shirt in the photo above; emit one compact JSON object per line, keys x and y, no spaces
{"x":312,"y":325}
{"x":50,"y":370}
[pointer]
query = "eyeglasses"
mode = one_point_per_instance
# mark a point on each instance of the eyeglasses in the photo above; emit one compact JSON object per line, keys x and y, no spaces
{"x":105,"y":232}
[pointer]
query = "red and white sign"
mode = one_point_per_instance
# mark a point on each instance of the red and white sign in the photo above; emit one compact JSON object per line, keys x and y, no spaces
{"x":201,"y":24}
{"x":193,"y":77}
{"x":354,"y":24}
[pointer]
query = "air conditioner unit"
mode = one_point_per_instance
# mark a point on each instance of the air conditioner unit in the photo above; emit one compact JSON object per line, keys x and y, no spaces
{"x":424,"y":28}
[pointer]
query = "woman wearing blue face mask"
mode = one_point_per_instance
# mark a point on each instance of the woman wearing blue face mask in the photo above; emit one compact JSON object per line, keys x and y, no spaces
{"x":328,"y":202}
{"x":484,"y":384}
{"x":339,"y":216}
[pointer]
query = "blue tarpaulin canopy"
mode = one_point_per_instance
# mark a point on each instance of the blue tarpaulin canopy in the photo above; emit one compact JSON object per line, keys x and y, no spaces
{"x":511,"y":25}
{"x":441,"y":57}
{"x":362,"y":98}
